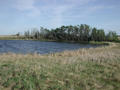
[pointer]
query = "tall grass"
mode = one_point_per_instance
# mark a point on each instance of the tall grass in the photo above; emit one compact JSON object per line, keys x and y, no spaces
{"x":83,"y":69}
{"x":12,"y":37}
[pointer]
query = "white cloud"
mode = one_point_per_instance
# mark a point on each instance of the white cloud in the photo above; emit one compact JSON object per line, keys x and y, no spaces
{"x":64,"y":6}
{"x":27,"y":6}
{"x":57,"y":10}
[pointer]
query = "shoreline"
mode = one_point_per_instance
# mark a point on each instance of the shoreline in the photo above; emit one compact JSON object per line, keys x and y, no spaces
{"x":65,"y":41}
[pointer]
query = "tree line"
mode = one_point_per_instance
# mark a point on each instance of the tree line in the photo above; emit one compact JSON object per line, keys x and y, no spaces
{"x":77,"y":33}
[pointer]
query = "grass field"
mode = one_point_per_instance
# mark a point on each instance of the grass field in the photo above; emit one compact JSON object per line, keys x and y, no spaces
{"x":84,"y":69}
{"x":11,"y":37}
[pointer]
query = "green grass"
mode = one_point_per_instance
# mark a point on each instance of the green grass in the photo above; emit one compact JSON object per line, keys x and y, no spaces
{"x":84,"y":69}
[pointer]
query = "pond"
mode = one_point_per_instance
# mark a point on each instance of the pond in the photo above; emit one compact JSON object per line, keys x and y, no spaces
{"x":40,"y":47}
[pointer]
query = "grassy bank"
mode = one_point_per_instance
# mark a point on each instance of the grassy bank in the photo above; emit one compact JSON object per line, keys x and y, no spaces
{"x":84,"y":69}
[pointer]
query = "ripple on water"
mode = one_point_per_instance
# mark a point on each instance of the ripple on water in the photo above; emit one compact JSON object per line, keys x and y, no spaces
{"x":28,"y":46}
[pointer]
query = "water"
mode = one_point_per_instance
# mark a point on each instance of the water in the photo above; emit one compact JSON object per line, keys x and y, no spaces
{"x":28,"y":46}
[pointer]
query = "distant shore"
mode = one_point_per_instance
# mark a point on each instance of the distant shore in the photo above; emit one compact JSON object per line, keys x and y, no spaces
{"x":14,"y":37}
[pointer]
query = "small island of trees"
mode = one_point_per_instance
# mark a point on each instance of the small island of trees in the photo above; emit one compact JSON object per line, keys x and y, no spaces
{"x":77,"y":33}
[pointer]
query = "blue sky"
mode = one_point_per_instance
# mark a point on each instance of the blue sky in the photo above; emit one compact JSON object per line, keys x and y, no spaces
{"x":20,"y":15}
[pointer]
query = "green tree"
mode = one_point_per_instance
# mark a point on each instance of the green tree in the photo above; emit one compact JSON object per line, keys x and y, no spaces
{"x":94,"y":34}
{"x":112,"y":36}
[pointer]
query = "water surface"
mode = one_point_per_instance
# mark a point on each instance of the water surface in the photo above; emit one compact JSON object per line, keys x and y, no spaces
{"x":28,"y":46}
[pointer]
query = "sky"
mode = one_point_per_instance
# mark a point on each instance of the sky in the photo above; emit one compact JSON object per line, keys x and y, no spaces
{"x":21,"y":15}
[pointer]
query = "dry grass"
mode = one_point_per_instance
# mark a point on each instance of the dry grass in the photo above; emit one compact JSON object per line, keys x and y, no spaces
{"x":11,"y":37}
{"x":84,"y":69}
{"x":119,"y":37}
